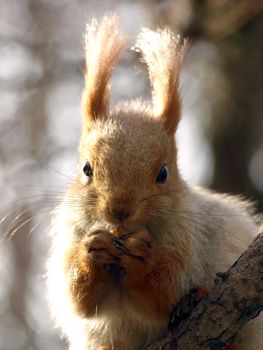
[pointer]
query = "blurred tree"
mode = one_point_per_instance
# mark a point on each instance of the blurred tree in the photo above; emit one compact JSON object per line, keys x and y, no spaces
{"x":238,"y":128}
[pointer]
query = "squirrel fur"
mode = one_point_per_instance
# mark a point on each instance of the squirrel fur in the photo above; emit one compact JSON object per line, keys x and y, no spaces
{"x":126,"y":247}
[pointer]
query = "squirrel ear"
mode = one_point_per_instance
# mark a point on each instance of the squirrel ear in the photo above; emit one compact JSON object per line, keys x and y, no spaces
{"x":103,"y":44}
{"x":163,"y":54}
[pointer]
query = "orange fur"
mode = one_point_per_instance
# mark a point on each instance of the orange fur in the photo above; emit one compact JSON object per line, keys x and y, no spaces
{"x":201,"y":292}
{"x":154,"y":293}
{"x":141,"y":271}
{"x":231,"y":347}
{"x":88,"y":281}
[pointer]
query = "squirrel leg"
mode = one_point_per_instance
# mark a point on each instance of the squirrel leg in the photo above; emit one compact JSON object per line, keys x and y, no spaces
{"x":92,"y":268}
{"x":152,"y":277}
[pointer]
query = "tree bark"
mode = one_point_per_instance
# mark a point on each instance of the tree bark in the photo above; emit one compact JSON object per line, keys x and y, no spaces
{"x":236,"y":298}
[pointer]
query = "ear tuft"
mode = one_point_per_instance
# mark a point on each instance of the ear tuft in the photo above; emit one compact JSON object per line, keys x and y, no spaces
{"x":103,"y":44}
{"x":163,"y":53}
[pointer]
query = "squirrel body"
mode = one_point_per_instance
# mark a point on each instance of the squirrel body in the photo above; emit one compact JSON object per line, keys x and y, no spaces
{"x":130,"y":237}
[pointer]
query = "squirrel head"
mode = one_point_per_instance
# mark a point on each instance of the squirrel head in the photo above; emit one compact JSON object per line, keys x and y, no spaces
{"x":128,"y":170}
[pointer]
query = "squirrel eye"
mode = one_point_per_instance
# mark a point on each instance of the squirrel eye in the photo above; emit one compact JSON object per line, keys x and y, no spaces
{"x":162,"y":175}
{"x":87,"y":170}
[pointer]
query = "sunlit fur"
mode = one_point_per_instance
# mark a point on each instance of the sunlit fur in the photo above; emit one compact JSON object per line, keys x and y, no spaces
{"x":163,"y":54}
{"x":103,"y":44}
{"x":181,"y":236}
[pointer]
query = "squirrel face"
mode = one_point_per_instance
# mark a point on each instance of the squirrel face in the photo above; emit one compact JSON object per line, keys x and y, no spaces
{"x":129,"y":163}
{"x":128,"y":155}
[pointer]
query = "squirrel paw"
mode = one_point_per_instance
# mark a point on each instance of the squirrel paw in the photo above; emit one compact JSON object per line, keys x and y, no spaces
{"x":137,"y":256}
{"x":128,"y":258}
{"x":103,"y":253}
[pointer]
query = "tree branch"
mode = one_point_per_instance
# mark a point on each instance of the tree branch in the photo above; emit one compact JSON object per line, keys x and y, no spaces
{"x":236,"y":298}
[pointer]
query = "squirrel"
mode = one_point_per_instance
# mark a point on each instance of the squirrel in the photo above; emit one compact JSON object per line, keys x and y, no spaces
{"x":131,"y":237}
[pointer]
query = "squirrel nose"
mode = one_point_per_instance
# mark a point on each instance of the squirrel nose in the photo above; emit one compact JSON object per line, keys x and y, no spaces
{"x":120,"y":214}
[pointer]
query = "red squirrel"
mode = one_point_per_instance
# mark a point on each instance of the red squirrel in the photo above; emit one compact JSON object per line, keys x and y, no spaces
{"x":131,"y":237}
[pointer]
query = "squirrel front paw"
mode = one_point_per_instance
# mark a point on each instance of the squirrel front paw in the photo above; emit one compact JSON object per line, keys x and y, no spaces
{"x":125,"y":258}
{"x":92,"y":269}
{"x":103,"y":253}
{"x":137,"y":255}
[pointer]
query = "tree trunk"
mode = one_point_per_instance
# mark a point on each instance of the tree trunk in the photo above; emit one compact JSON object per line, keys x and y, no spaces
{"x":236,"y":298}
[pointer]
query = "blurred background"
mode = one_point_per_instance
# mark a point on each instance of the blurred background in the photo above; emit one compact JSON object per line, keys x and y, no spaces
{"x":41,"y":78}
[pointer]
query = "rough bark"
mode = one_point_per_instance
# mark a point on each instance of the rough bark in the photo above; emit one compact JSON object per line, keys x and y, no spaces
{"x":236,"y":298}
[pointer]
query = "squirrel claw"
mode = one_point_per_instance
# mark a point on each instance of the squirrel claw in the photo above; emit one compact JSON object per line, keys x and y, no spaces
{"x":119,"y":245}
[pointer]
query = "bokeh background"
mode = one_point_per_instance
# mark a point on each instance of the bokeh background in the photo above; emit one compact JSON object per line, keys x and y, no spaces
{"x":41,"y":78}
